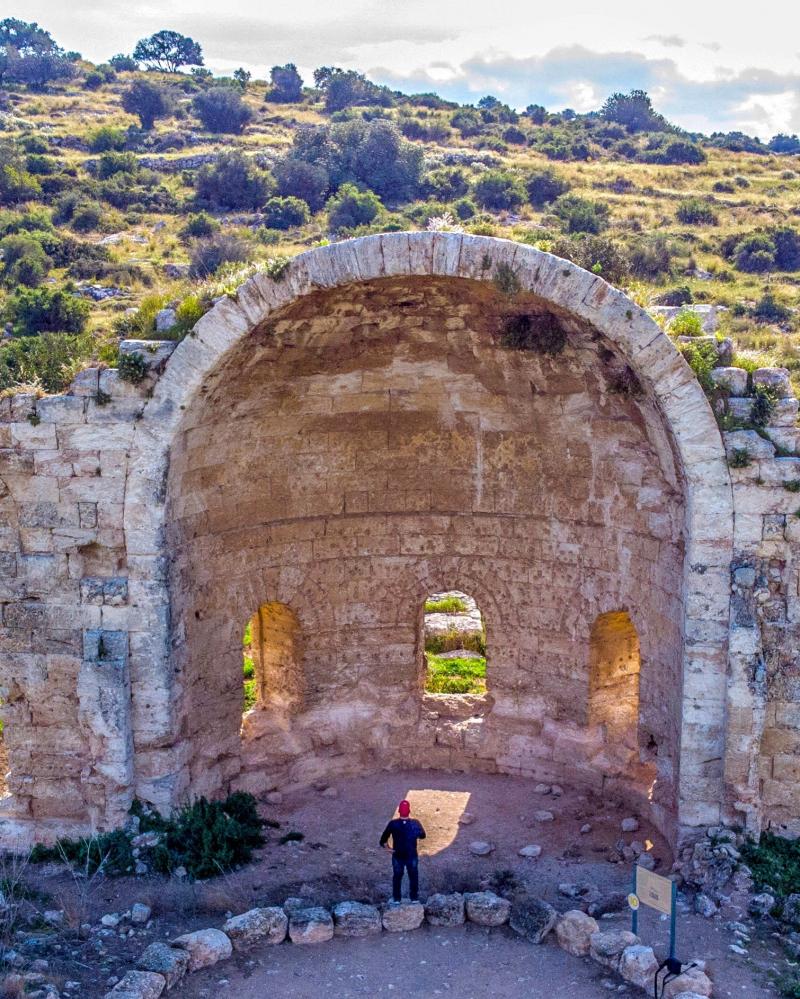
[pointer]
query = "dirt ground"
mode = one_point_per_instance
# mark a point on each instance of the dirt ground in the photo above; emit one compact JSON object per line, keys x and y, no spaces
{"x":338,"y":858}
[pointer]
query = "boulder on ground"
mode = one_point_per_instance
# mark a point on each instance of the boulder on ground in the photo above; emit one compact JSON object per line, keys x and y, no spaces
{"x":486,"y":909}
{"x":138,"y":985}
{"x":532,"y":919}
{"x":791,"y":910}
{"x":638,"y":965}
{"x":445,"y":910}
{"x":310,"y":926}
{"x":693,"y":980}
{"x":574,"y":930}
{"x":205,"y":947}
{"x":354,"y":919}
{"x":531,"y":851}
{"x":615,"y":901}
{"x":761,"y":905}
{"x":267,"y":925}
{"x":606,"y":946}
{"x":399,"y":917}
{"x":171,"y":962}
{"x":140,"y":913}
{"x":630,"y":824}
{"x":481,"y":848}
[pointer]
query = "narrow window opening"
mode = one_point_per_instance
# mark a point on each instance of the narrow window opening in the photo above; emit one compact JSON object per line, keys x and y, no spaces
{"x":455,"y":645}
{"x":271,"y":674}
{"x":614,"y":678}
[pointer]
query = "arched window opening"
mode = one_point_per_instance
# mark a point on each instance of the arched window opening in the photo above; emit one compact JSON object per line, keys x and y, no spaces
{"x":614,"y":665}
{"x":454,"y":644}
{"x":271,"y":672}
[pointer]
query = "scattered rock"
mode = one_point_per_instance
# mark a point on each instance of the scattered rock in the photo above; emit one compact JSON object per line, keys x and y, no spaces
{"x":585,"y":828}
{"x":445,"y":910}
{"x":532,"y":850}
{"x":543,"y":816}
{"x":205,"y":947}
{"x":790,"y":912}
{"x":165,"y":320}
{"x":111,"y":920}
{"x":467,"y":818}
{"x":606,"y":946}
{"x":574,"y":931}
{"x":481,"y":848}
{"x":556,"y":790}
{"x":310,"y":926}
{"x":171,"y":962}
{"x":638,"y":965}
{"x":615,"y":901}
{"x":53,"y":917}
{"x":172,"y":270}
{"x":140,"y":913}
{"x":274,"y":798}
{"x":647,"y":861}
{"x":704,"y":905}
{"x":737,"y":949}
{"x":761,"y":905}
{"x":542,"y":789}
{"x":486,"y":909}
{"x":630,"y":825}
{"x":532,"y":919}
{"x":138,"y":985}
{"x":267,"y":925}
{"x":355,"y":919}
{"x":398,"y":917}
{"x":330,"y":792}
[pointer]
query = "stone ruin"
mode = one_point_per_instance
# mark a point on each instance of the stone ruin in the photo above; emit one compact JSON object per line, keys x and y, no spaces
{"x":392,"y":417}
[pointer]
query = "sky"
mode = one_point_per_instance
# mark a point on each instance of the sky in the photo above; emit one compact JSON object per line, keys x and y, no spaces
{"x":708,"y":65}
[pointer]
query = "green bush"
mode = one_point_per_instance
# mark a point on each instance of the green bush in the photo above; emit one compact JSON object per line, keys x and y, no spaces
{"x":24,"y":260}
{"x":232,"y":181}
{"x":350,"y":208}
{"x":221,"y":109}
{"x":107,"y":138}
{"x":113,"y":162}
{"x":701,"y":358}
{"x":39,"y":310}
{"x":579,"y":214}
{"x":198,"y":225}
{"x":761,"y":411}
{"x":651,"y":258}
{"x":769,"y":310}
{"x":446,"y":183}
{"x":51,"y":360}
{"x":600,"y":254}
{"x":207,"y":838}
{"x":285,"y":213}
{"x":544,"y":186}
{"x":132,"y":367}
{"x":775,"y":863}
{"x":695,"y":211}
{"x":208,"y":255}
{"x":308,"y":181}
{"x":675,"y":296}
{"x":686,"y":323}
{"x":498,"y":190}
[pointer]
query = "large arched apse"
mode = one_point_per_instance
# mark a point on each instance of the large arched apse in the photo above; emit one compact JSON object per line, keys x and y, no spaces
{"x":369,"y":442}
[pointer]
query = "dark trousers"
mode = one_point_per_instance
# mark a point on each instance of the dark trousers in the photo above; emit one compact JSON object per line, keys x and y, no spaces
{"x":412,"y":866}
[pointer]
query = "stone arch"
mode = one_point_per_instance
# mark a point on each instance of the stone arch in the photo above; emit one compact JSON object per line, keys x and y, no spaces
{"x":685,"y":417}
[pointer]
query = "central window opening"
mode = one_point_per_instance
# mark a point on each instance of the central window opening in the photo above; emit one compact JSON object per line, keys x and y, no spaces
{"x":271,"y":673}
{"x":455,"y":645}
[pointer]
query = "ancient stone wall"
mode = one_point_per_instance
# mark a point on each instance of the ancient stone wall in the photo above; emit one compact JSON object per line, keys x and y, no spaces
{"x":346,"y":440}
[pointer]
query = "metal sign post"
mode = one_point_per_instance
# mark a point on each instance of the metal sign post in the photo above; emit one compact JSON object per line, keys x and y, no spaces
{"x":661,"y":894}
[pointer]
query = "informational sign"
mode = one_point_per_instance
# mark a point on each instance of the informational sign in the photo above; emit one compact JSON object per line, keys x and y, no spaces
{"x":657,"y":893}
{"x":654,"y":890}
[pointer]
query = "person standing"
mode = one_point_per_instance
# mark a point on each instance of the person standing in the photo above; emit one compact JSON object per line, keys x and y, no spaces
{"x":404,"y":832}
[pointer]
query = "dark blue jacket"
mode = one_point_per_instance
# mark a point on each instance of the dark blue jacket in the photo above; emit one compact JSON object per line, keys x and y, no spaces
{"x":404,"y":833}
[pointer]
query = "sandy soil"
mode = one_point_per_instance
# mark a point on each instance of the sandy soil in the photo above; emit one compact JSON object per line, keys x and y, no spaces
{"x":339,"y":858}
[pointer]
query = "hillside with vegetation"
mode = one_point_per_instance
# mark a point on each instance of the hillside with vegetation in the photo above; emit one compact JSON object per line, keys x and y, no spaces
{"x":135,"y":192}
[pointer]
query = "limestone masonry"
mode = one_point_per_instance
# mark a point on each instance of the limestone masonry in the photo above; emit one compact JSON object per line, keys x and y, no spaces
{"x":325,"y":451}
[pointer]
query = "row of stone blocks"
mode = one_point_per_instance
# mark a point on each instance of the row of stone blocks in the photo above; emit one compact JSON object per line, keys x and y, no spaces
{"x":163,"y":965}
